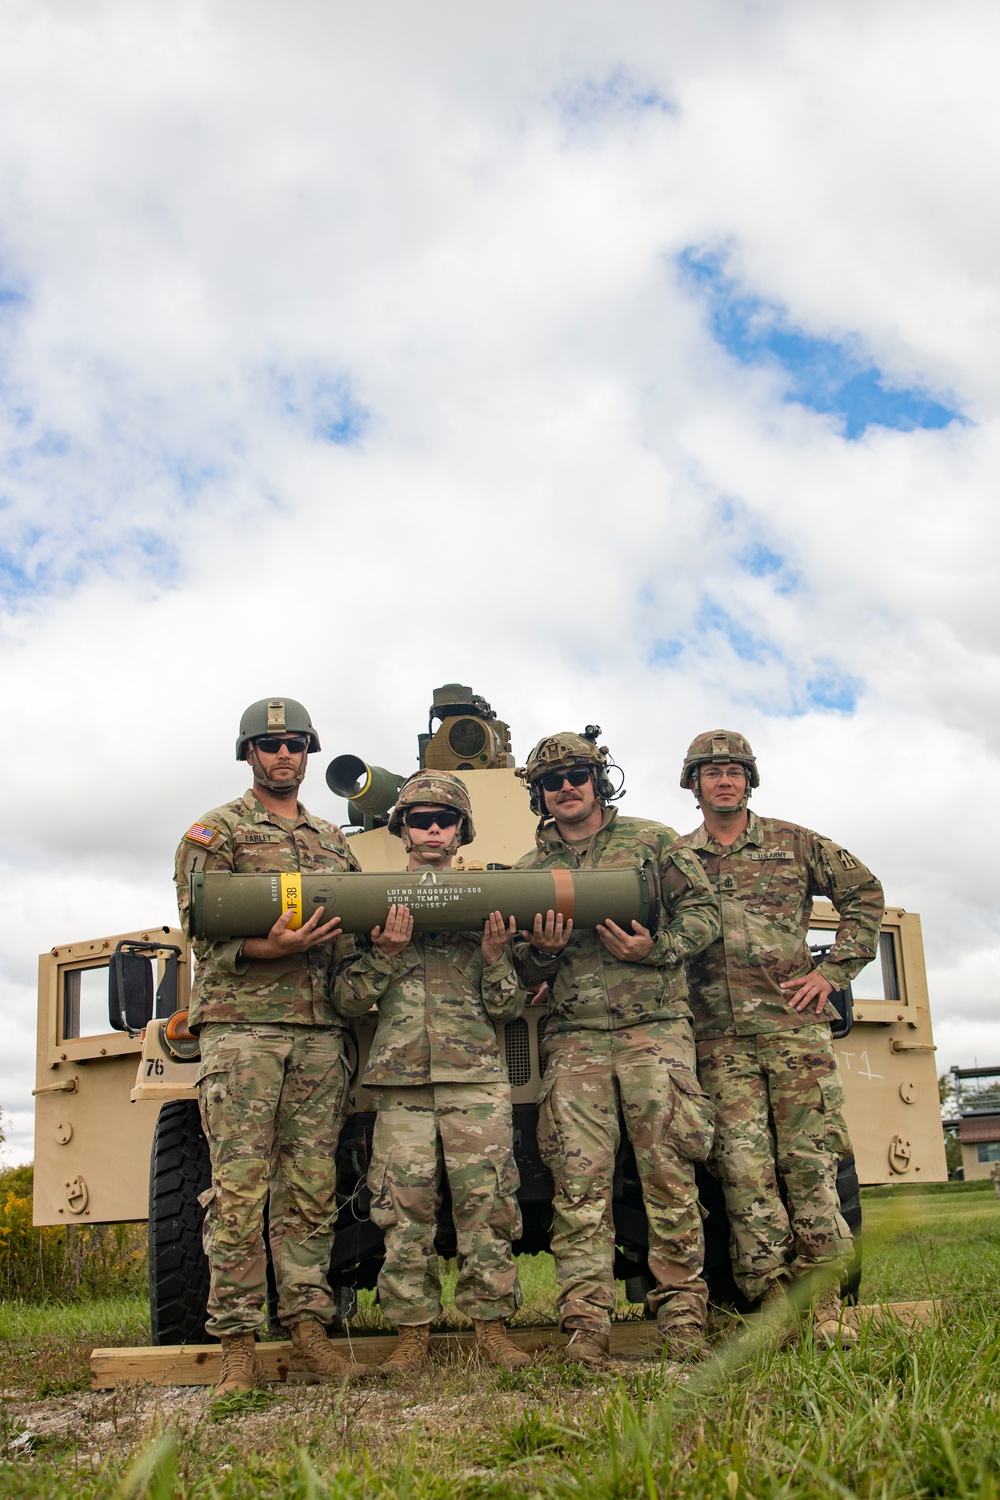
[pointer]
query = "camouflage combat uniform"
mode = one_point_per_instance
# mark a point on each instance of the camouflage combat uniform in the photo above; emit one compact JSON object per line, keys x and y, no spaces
{"x":772,"y":1070}
{"x":443,"y":1100}
{"x":619,"y":1033}
{"x":273,"y":1077}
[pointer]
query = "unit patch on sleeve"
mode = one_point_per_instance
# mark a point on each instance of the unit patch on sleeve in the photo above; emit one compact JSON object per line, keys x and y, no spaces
{"x":198,"y":833}
{"x":847,"y":860}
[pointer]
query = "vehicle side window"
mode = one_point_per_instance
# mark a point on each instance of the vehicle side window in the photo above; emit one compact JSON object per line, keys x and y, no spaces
{"x":878,"y":980}
{"x":85,"y":1002}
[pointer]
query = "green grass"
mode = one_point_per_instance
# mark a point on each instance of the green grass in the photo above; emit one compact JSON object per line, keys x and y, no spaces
{"x":911,"y":1413}
{"x":922,"y":1244}
{"x":119,"y":1320}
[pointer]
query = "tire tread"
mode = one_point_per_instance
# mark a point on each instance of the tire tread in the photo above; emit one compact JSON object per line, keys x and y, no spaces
{"x":179,"y":1171}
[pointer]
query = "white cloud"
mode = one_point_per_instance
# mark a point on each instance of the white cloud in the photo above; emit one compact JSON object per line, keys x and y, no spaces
{"x":228,"y":227}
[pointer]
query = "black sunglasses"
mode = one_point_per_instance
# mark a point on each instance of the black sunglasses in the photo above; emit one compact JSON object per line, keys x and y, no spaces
{"x":272,"y":743}
{"x":442,"y":817}
{"x":553,"y":781}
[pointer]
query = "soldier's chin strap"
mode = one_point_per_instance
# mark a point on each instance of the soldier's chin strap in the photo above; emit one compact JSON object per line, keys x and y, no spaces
{"x":287,"y":787}
{"x":737,"y":808}
{"x":433,"y":857}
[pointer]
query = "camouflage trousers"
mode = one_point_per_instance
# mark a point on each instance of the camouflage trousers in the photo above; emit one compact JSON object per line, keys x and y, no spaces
{"x":779,"y":1103}
{"x":272,"y":1103}
{"x":421,"y":1133}
{"x":648,"y":1073}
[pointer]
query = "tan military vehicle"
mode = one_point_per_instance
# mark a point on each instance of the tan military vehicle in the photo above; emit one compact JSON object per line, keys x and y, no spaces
{"x":117,"y":1132}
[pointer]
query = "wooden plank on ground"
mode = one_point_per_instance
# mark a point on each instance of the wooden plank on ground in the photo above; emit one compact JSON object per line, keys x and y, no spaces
{"x":910,"y":1314}
{"x":199,"y":1364}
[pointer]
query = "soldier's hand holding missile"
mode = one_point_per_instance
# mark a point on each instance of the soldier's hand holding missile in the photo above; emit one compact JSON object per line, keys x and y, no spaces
{"x":398,"y":929}
{"x":632,"y":946}
{"x":551,"y":933}
{"x":282,"y":940}
{"x":496,"y":937}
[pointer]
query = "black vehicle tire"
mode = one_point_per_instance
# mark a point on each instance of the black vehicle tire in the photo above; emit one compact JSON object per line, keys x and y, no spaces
{"x":179,"y":1170}
{"x":849,"y":1190}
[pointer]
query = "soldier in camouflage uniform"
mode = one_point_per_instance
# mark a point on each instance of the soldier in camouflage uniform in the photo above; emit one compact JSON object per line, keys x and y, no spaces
{"x":617,"y":1035}
{"x":273,"y":1076}
{"x":442,"y":1092}
{"x":761,"y":1017}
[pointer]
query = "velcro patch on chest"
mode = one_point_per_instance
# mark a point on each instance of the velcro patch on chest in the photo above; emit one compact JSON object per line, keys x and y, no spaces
{"x":762,"y":854}
{"x":200,"y":833}
{"x":258,"y":838}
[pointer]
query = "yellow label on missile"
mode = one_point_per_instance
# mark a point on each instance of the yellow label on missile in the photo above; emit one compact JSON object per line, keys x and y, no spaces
{"x":291,"y":899}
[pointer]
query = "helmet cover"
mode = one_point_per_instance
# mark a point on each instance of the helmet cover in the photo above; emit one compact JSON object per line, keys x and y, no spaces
{"x":721,"y":747}
{"x":433,"y":789}
{"x":559,"y":752}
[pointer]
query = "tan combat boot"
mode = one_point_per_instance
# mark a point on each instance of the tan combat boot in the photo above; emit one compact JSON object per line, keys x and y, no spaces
{"x":241,"y":1369}
{"x":829,"y":1328}
{"x":314,"y":1361}
{"x":682,"y":1337}
{"x":586,"y":1346}
{"x":412,"y":1353}
{"x":778,"y":1315}
{"x":495,"y":1347}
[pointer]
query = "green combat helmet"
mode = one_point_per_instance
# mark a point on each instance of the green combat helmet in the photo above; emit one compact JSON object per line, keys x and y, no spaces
{"x":723,"y":747}
{"x":556,"y":752}
{"x":433,"y":789}
{"x":274,"y":716}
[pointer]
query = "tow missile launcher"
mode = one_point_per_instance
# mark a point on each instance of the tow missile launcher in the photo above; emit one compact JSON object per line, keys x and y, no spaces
{"x":469,"y":737}
{"x":101,"y":1158}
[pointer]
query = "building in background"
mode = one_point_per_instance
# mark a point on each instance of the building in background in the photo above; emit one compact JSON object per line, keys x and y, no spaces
{"x":978,"y":1122}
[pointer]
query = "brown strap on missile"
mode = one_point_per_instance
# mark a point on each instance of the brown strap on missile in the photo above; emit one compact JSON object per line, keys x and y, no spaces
{"x":565,"y":891}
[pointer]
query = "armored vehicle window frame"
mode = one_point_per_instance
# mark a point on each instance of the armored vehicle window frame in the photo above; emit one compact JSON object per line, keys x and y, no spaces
{"x":85,"y":996}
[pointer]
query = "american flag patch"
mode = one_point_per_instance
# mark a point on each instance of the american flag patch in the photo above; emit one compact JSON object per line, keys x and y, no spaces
{"x":199,"y":834}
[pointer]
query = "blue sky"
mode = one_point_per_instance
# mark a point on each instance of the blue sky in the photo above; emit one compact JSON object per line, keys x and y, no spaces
{"x":836,"y":376}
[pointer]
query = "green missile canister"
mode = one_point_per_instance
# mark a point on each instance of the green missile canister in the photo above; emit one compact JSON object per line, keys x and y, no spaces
{"x":236,"y":906}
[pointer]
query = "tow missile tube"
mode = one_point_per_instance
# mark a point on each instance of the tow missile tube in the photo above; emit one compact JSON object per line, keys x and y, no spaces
{"x":234,"y":906}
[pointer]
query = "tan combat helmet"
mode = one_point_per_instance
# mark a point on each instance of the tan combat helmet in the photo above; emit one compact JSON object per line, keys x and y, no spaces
{"x":723,"y":747}
{"x":433,"y":789}
{"x":274,"y":716}
{"x":557,"y":752}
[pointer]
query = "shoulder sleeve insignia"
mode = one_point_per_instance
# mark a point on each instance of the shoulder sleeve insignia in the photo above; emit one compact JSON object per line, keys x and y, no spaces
{"x":847,"y":870}
{"x":199,"y":833}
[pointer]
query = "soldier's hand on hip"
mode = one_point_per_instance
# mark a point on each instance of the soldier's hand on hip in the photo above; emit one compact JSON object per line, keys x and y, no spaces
{"x":398,"y":930}
{"x":810,"y":988}
{"x":282,"y":941}
{"x":551,"y":933}
{"x":632,"y":946}
{"x":496,"y":937}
